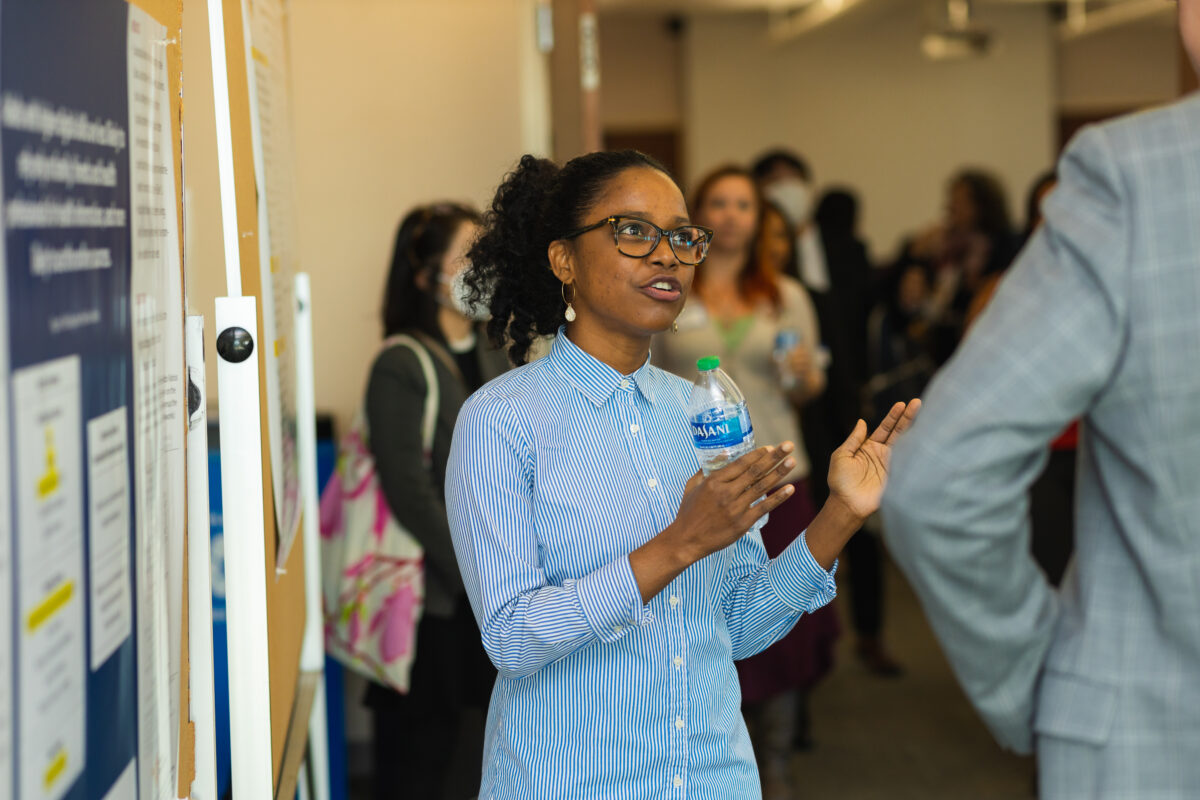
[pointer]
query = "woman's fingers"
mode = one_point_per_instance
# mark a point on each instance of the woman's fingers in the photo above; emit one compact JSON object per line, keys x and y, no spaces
{"x":771,"y":502}
{"x":855,"y":440}
{"x":910,"y":416}
{"x":889,"y":423}
{"x":770,"y":478}
{"x":753,"y":464}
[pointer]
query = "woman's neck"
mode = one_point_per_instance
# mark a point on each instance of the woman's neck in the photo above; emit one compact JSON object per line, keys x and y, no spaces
{"x":624,"y":353}
{"x":455,"y":327}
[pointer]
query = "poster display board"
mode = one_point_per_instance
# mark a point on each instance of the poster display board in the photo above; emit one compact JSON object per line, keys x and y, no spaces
{"x":92,"y":495}
{"x":251,"y":95}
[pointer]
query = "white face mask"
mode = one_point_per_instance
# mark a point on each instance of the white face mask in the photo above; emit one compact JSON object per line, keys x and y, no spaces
{"x":457,"y":296}
{"x":794,"y":199}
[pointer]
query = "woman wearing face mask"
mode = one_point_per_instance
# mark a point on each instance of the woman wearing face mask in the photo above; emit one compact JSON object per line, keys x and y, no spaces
{"x":740,"y":304}
{"x":787,"y":181}
{"x":415,"y":735}
{"x":612,"y":583}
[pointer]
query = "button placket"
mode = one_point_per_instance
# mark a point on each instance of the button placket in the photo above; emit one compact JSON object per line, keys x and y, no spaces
{"x":640,"y":454}
{"x":679,"y":685}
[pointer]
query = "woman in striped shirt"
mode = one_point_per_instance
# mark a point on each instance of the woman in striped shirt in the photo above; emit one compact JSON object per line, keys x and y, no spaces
{"x":614,"y":586}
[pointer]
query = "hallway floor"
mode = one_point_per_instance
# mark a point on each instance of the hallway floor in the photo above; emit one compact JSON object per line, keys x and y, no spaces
{"x":915,"y":736}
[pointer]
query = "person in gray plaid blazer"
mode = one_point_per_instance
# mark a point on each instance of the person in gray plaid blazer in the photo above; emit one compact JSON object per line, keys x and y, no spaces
{"x":1099,"y":319}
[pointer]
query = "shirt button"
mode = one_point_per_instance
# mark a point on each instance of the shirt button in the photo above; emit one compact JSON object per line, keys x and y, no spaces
{"x":652,"y":482}
{"x":674,"y":600}
{"x":678,"y":781}
{"x":679,"y":723}
{"x":678,"y":662}
{"x":634,"y":429}
{"x":624,"y":384}
{"x":618,"y":628}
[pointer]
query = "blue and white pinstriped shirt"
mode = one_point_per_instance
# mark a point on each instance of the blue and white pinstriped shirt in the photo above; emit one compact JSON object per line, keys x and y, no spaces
{"x":557,"y":472}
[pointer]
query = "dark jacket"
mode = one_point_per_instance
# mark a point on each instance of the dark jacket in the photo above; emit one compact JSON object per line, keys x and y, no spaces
{"x":395,"y":406}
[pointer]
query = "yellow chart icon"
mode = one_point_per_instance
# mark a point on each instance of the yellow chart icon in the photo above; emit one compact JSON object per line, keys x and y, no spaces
{"x":56,"y":768}
{"x":48,"y":483}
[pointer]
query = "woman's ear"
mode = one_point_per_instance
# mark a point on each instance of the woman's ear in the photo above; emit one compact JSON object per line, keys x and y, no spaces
{"x":562,"y":260}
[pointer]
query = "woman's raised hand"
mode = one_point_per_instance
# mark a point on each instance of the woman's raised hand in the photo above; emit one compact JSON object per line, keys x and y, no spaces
{"x":858,"y":469}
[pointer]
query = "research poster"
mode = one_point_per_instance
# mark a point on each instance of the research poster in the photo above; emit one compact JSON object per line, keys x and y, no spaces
{"x":91,"y":405}
{"x":270,"y":111}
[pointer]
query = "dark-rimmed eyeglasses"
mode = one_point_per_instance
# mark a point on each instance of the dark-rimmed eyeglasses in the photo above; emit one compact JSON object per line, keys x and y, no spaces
{"x":638,"y":238}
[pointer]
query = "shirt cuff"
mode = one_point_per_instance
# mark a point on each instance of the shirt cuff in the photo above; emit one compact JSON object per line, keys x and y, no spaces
{"x":798,"y":580}
{"x":611,"y":600}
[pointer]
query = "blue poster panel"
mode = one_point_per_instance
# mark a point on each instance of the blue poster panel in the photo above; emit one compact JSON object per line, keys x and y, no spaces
{"x":79,"y":171}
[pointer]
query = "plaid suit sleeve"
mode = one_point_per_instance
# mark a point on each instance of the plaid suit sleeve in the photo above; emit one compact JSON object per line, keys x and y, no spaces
{"x":956,"y":509}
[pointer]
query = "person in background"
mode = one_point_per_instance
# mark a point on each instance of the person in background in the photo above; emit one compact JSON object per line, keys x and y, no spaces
{"x":844,"y":328}
{"x":1097,"y":321}
{"x":786,"y":179}
{"x":416,"y":735}
{"x":1041,"y":187}
{"x":973,"y":243}
{"x":739,"y":306}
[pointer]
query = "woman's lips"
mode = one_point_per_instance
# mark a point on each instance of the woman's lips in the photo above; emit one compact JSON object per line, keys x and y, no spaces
{"x":664,"y":288}
{"x":666,"y":295}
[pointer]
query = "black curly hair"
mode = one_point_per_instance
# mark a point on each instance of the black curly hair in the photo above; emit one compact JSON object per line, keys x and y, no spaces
{"x":536,"y":204}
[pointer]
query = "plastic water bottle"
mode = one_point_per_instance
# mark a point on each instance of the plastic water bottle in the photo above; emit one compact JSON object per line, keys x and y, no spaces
{"x":785,"y":342}
{"x":721,"y":428}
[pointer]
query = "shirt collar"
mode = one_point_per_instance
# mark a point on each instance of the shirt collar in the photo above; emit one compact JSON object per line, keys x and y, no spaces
{"x":593,"y":378}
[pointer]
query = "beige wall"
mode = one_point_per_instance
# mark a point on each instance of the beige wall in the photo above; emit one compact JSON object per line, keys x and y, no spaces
{"x":641,"y":65}
{"x":862,"y":104}
{"x":1129,"y":67}
{"x":396,"y":102}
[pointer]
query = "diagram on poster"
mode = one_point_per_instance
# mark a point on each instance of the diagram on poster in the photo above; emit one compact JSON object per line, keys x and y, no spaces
{"x":273,"y":165}
{"x":52,"y":662}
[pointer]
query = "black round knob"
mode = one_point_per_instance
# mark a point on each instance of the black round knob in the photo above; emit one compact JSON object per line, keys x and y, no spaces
{"x":235,"y":345}
{"x":193,"y":397}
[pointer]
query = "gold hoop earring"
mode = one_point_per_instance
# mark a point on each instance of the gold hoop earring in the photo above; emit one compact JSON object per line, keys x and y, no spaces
{"x":570,"y":313}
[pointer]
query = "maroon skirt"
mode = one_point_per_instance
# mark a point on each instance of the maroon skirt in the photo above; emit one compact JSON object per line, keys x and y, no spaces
{"x":800,"y":659}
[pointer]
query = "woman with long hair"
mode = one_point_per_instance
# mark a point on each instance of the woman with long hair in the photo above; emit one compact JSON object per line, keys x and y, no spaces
{"x":415,"y":735}
{"x":613,"y":584}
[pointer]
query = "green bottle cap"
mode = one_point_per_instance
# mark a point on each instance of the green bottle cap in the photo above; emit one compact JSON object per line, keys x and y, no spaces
{"x":708,"y":362}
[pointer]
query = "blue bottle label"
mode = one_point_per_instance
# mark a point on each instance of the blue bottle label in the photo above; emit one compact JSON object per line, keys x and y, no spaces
{"x":721,"y":427}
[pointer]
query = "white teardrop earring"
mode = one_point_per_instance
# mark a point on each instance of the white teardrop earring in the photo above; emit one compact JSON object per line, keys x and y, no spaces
{"x":570,"y":312}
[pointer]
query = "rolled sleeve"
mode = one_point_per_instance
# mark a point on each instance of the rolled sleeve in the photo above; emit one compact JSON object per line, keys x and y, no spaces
{"x":611,"y":600}
{"x":799,"y":581}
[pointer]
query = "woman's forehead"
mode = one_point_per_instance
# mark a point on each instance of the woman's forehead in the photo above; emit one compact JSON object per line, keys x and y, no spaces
{"x":642,"y":189}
